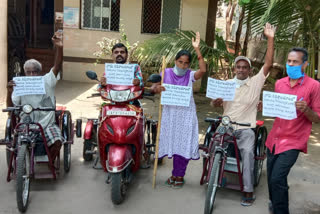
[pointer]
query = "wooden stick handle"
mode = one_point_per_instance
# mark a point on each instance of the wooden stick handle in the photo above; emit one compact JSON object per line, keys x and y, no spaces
{"x":158,"y":128}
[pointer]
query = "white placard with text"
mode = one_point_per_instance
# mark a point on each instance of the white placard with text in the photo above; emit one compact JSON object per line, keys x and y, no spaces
{"x":176,"y":95}
{"x":28,"y":86}
{"x":221,"y":89}
{"x":279,"y":105}
{"x":119,"y":74}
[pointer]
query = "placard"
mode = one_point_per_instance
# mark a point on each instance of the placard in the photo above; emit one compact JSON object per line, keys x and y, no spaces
{"x":176,"y":95}
{"x":221,"y":89}
{"x":119,"y":74}
{"x":28,"y":86}
{"x":279,"y":105}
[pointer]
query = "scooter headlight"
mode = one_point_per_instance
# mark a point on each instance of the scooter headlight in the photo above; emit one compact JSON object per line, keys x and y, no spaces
{"x":120,"y":96}
{"x":27,"y":109}
{"x":135,"y":94}
{"x":225,"y":120}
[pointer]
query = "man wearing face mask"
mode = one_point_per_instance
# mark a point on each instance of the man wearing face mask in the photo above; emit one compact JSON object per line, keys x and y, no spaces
{"x":288,"y":138}
{"x":243,"y":109}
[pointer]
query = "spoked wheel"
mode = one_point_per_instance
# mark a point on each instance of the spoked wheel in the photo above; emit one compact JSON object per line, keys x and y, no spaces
{"x":23,"y":178}
{"x":118,"y":187}
{"x":67,"y":146}
{"x":213,"y":184}
{"x":260,"y":152}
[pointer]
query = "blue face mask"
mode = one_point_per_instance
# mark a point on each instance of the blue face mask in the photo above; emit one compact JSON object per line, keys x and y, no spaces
{"x":295,"y":72}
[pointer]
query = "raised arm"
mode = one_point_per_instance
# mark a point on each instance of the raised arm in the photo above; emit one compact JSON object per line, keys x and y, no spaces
{"x":202,"y":64}
{"x":269,"y":32}
{"x":58,"y":43}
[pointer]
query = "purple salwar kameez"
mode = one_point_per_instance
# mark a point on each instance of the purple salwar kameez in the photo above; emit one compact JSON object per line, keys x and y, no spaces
{"x":179,"y":127}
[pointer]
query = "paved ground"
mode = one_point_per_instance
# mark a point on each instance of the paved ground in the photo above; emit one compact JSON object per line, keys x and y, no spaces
{"x":84,"y":190}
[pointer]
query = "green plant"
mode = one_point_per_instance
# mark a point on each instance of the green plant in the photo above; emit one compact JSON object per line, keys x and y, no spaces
{"x":106,"y":44}
{"x":297,"y":21}
{"x":151,"y":51}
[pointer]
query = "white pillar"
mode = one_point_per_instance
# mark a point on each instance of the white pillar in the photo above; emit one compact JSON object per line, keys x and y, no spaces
{"x":3,"y":50}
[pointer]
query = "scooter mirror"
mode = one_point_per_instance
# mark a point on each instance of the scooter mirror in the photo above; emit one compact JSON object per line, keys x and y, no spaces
{"x":154,"y":78}
{"x":92,"y":75}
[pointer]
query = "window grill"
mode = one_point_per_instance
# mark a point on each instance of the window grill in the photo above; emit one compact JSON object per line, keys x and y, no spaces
{"x":101,"y":15}
{"x":160,"y":16}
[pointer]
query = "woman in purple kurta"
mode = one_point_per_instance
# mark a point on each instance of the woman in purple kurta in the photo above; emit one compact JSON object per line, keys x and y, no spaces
{"x":179,"y":124}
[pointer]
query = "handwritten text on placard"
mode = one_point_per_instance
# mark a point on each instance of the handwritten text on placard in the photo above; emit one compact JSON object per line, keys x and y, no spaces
{"x":176,"y":95}
{"x":279,"y":105}
{"x":221,"y":89}
{"x":28,"y":86}
{"x":119,"y":74}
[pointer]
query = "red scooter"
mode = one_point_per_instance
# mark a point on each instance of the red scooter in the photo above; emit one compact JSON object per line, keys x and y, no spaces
{"x":118,"y":135}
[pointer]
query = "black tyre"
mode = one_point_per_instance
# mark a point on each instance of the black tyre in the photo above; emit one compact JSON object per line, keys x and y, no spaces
{"x":67,"y":123}
{"x":78,"y":127}
{"x":118,"y":188}
{"x":87,"y":146}
{"x":8,"y":154}
{"x":23,"y":178}
{"x":213,"y":184}
{"x":210,"y":132}
{"x":67,"y":157}
{"x":260,"y":152}
{"x":8,"y":137}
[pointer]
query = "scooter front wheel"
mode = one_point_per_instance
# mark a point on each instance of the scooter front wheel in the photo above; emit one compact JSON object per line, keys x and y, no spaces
{"x":118,"y":187}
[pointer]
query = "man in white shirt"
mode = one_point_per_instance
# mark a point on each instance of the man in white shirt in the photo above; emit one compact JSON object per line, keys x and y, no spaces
{"x":243,"y":109}
{"x":47,"y":119}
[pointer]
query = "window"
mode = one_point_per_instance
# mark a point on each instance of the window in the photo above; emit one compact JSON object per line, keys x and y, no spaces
{"x":160,"y":16}
{"x":101,"y":14}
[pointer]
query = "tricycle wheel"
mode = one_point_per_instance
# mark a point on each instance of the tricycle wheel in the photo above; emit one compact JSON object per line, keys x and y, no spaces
{"x":78,"y":127}
{"x":23,"y":178}
{"x":118,"y":187}
{"x":213,"y":184}
{"x":67,"y":146}
{"x":67,"y":157}
{"x":260,"y":152}
{"x":8,"y":154}
{"x":87,"y":146}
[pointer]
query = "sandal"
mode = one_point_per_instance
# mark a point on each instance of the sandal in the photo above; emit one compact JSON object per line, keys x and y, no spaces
{"x":178,"y":184}
{"x":170,"y":182}
{"x":248,"y":201}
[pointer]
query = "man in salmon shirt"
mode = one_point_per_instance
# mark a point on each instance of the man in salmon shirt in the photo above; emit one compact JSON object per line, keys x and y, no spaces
{"x":288,"y":138}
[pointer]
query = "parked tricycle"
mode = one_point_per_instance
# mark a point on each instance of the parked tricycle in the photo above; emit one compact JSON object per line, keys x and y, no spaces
{"x":26,"y":147}
{"x":221,"y":155}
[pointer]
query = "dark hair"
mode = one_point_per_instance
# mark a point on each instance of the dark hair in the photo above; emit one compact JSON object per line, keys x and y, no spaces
{"x":184,"y":53}
{"x":301,"y":50}
{"x":120,"y":45}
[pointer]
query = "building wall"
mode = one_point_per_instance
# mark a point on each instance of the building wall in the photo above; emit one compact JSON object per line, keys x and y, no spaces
{"x":3,"y":50}
{"x":81,"y":43}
